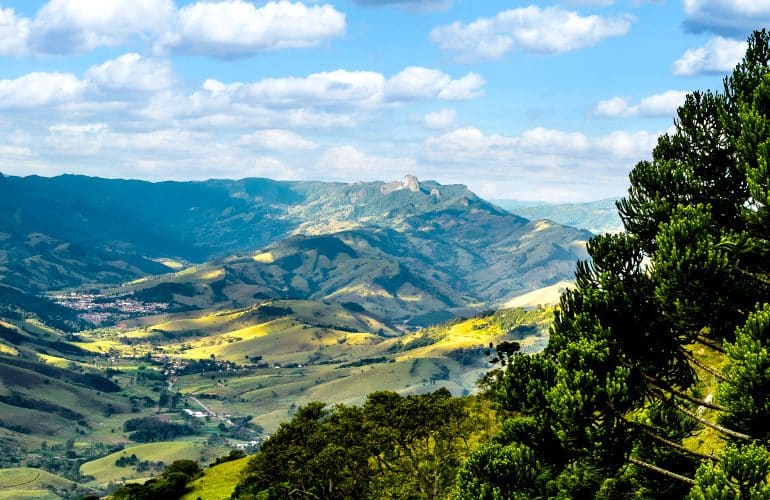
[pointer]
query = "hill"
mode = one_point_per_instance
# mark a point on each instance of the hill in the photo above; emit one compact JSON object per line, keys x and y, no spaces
{"x":410,"y":251}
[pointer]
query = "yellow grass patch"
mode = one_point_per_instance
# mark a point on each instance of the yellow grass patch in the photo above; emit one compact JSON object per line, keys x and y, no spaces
{"x":170,"y":263}
{"x":264,"y":258}
{"x":6,"y":349}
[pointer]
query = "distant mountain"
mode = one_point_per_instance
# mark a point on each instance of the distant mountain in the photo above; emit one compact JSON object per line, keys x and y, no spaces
{"x":404,"y":250}
{"x":597,"y":216}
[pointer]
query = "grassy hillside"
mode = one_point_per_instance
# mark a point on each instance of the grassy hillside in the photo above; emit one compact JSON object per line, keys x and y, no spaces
{"x":217,"y":482}
{"x":25,"y":482}
{"x":104,"y":470}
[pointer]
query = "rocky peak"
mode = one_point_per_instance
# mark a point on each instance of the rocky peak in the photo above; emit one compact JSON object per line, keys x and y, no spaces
{"x":410,"y":182}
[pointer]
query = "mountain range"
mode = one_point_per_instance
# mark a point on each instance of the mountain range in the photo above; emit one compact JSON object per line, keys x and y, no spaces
{"x":406,"y":250}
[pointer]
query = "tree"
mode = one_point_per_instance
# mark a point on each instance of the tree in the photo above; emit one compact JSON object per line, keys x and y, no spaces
{"x":392,"y":447}
{"x":612,"y":398}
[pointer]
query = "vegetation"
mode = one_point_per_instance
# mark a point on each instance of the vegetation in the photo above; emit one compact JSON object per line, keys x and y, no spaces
{"x":171,"y":484}
{"x":148,"y":429}
{"x":607,"y":409}
{"x":392,"y":447}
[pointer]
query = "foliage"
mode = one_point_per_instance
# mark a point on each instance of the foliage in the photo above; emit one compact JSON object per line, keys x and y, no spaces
{"x":149,"y":429}
{"x":603,"y":412}
{"x":741,"y":473}
{"x":170,"y":485}
{"x":392,"y":447}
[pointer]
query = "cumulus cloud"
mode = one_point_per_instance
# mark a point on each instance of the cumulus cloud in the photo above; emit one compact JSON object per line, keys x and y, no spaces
{"x":14,"y":33}
{"x":531,"y":29}
{"x":561,"y":147}
{"x":725,"y":17}
{"x":226,"y":28}
{"x":718,"y":55}
{"x":278,"y":140}
{"x":423,"y":83}
{"x":235,"y":28}
{"x":662,"y":104}
{"x":347,"y":89}
{"x":40,"y":89}
{"x":73,"y":26}
{"x":132,"y":72}
{"x":441,"y":119}
{"x":523,"y":166}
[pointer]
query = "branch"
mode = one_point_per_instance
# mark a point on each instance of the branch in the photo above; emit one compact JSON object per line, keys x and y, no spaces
{"x":680,"y":394}
{"x":709,"y":343}
{"x":704,"y":366}
{"x":657,"y":469}
{"x":654,"y":435}
{"x":754,"y":276}
{"x":716,"y":427}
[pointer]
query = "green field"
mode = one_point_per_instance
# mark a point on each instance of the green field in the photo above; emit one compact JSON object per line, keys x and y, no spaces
{"x":218,"y":482}
{"x":104,"y":470}
{"x":26,"y":482}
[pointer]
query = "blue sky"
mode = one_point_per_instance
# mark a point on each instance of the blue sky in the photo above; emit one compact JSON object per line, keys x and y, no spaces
{"x":534,"y":100}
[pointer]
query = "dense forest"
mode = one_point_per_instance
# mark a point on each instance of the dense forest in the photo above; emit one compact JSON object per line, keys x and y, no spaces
{"x":656,"y":380}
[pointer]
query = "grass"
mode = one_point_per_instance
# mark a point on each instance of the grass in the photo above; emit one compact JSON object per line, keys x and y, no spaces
{"x":218,"y":482}
{"x":24,"y":482}
{"x":105,"y":471}
{"x":9,"y":350}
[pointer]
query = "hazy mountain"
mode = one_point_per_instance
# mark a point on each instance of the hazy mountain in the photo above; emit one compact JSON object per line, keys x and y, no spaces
{"x":596,"y":216}
{"x":404,"y":250}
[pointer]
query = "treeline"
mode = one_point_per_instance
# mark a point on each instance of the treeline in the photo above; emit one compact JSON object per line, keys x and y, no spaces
{"x":149,"y":429}
{"x":391,"y":447}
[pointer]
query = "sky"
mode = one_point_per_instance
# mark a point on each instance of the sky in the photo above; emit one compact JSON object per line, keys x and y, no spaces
{"x":539,"y":101}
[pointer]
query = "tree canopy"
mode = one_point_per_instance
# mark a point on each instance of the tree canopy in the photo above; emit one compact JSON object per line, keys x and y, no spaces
{"x":665,"y":337}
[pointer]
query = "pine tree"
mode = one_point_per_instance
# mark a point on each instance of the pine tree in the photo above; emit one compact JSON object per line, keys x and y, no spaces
{"x":614,"y":394}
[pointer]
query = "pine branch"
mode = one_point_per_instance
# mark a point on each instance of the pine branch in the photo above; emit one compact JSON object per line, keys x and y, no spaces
{"x":704,"y":366}
{"x":709,"y":343}
{"x":716,"y":427}
{"x":659,"y":470}
{"x":754,"y":276}
{"x":680,"y":394}
{"x":657,"y":437}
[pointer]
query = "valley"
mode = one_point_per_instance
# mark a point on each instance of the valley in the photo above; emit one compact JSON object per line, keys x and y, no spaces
{"x":120,"y":353}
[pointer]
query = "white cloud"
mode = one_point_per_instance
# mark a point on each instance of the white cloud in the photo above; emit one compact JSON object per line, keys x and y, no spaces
{"x":726,"y":17}
{"x":14,"y":33}
{"x":550,"y":145}
{"x":74,"y":26}
{"x":441,"y":119}
{"x":348,"y":89}
{"x":235,"y":28}
{"x":423,"y":83}
{"x":467,"y":87}
{"x":132,"y":72}
{"x":571,"y":165}
{"x":662,"y":104}
{"x":532,"y":29}
{"x":40,"y":89}
{"x":278,"y":140}
{"x":719,"y":55}
{"x":227,"y":28}
{"x":348,"y":162}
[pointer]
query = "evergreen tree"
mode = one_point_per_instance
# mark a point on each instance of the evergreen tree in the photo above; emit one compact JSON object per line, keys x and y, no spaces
{"x":615,"y":393}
